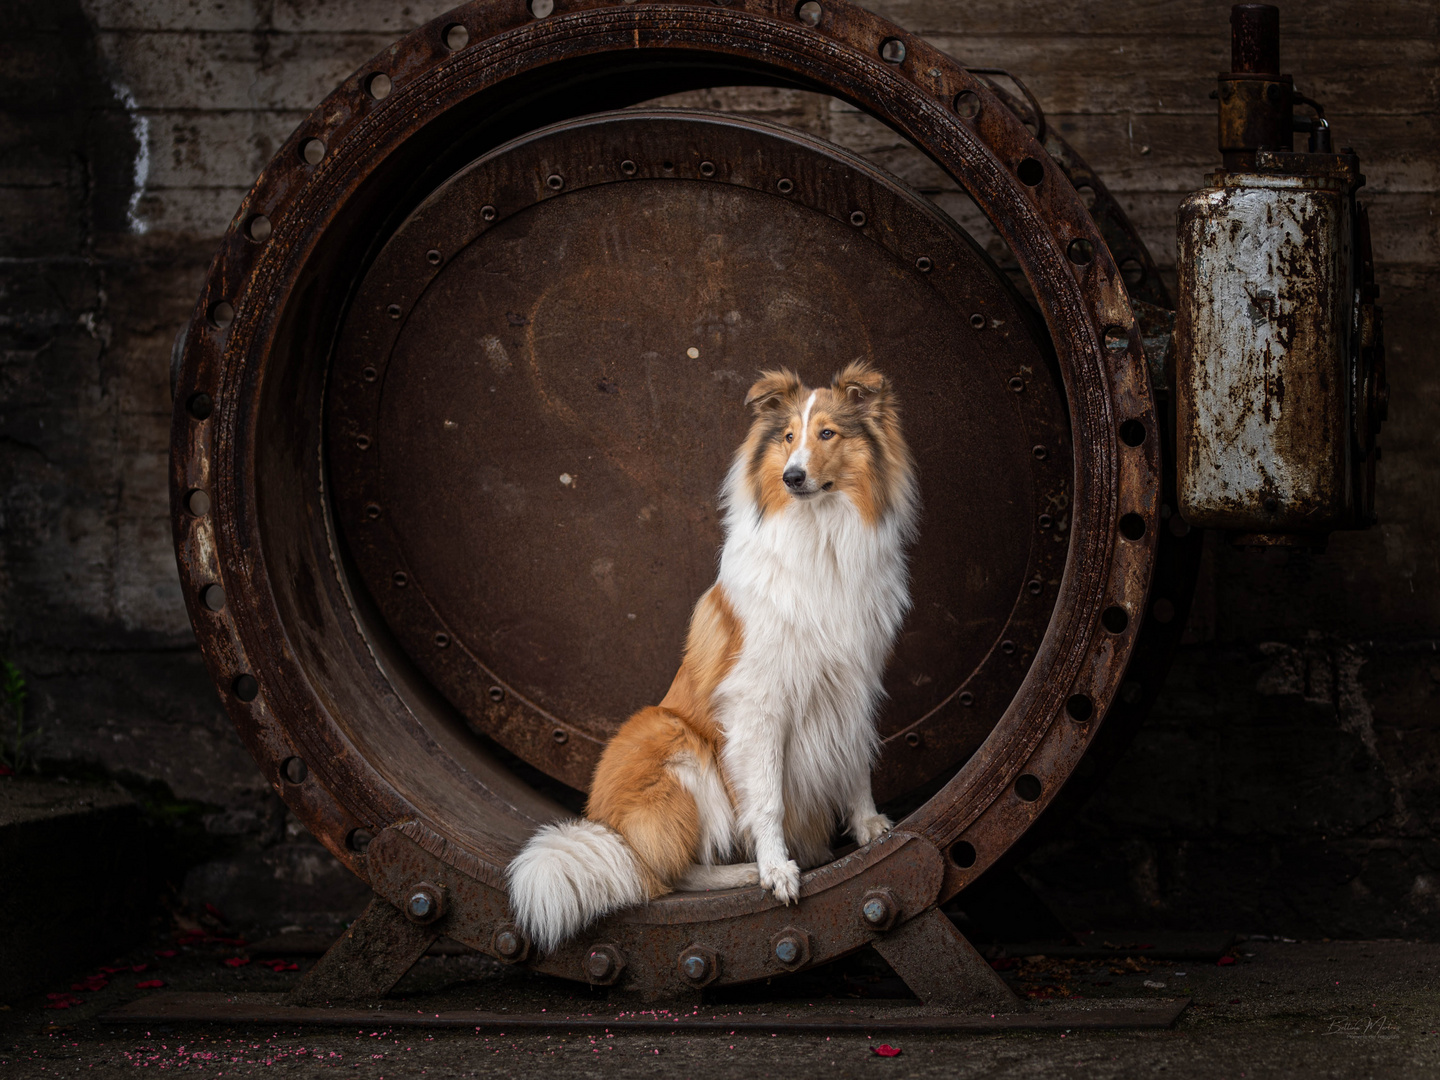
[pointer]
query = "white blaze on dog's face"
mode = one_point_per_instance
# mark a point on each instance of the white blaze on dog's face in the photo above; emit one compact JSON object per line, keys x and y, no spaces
{"x":840,"y":440}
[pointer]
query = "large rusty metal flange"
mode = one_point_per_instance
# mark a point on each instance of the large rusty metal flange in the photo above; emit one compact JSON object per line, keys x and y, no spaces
{"x":294,"y":646}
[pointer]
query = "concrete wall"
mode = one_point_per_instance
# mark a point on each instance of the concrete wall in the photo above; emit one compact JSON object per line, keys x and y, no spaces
{"x":1288,"y":779}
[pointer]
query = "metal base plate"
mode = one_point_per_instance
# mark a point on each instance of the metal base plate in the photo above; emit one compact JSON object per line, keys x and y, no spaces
{"x":214,"y":1008}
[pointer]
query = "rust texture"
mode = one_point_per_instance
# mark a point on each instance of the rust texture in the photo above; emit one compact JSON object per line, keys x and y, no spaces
{"x":318,"y":655}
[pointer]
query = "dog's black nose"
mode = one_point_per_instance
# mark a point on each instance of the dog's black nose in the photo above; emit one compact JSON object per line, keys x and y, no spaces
{"x":794,"y":477}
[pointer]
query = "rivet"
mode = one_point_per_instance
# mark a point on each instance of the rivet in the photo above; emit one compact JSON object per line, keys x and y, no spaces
{"x":394,"y":311}
{"x":1017,"y":384}
{"x":497,"y":694}
{"x":379,"y":86}
{"x":294,"y":770}
{"x":400,"y":578}
{"x":433,"y":256}
{"x":857,"y":218}
{"x":456,"y":37}
{"x":258,"y":228}
{"x":707,"y":168}
{"x":1035,"y":587}
{"x":912,"y":738}
{"x":560,"y":735}
{"x":369,"y":374}
{"x":222,"y":314}
{"x":213,"y":597}
{"x":312,"y":151}
{"x":487,"y":213}
{"x":785,"y":185}
{"x":923,"y":264}
{"x":362,"y":442}
{"x":977,"y":321}
{"x":628,"y":167}
{"x":1040,"y":452}
{"x":198,"y":502}
{"x":1046,"y":521}
{"x":809,"y":13}
{"x":372,"y":511}
{"x":554,"y":181}
{"x":892,"y":51}
{"x":1007,"y":647}
{"x":967,"y":698}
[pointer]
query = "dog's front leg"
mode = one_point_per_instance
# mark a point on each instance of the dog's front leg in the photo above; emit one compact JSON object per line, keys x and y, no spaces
{"x":755,"y":762}
{"x":866,"y":823}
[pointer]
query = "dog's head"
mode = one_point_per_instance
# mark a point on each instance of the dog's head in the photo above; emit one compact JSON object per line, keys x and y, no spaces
{"x":840,"y":441}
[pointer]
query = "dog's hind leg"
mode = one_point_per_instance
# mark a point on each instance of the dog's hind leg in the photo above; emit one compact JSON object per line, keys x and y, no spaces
{"x":699,"y":877}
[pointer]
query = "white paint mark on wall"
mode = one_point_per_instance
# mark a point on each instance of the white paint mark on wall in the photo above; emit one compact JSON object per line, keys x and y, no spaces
{"x":140,"y":128}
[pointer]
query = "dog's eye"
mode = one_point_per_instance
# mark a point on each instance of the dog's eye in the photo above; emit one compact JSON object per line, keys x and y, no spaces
{"x":827,"y":434}
{"x":789,"y":436}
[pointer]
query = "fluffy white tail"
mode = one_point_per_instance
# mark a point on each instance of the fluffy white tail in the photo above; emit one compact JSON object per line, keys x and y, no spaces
{"x":567,"y":876}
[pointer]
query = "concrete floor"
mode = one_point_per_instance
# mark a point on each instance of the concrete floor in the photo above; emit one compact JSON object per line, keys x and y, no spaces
{"x":1307,"y":1009}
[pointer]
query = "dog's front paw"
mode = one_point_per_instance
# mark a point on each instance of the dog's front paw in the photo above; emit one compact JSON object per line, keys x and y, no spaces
{"x":782,"y":879}
{"x":871,"y":828}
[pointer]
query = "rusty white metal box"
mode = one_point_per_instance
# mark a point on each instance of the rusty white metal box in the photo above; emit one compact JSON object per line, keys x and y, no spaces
{"x":1263,"y":353}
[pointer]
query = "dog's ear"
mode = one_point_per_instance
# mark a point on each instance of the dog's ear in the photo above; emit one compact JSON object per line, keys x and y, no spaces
{"x":773,"y":390}
{"x":861,"y":384}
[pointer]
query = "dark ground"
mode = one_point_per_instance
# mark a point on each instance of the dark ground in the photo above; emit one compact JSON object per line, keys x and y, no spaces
{"x":1311,"y":1009}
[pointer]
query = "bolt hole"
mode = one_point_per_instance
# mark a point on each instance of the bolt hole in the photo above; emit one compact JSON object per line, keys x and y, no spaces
{"x":359,"y":840}
{"x":707,"y":168}
{"x":487,"y":213}
{"x":967,"y":104}
{"x":1028,"y":787}
{"x":433,"y":256}
{"x":369,"y":374}
{"x":1040,"y":453}
{"x":923,"y":264}
{"x":1132,"y":432}
{"x":962,"y":854}
{"x":198,"y":502}
{"x":372,"y":511}
{"x":1079,"y":708}
{"x":785,"y":185}
{"x":628,"y":167}
{"x":213,"y":597}
{"x":1017,"y":384}
{"x":912,"y":738}
{"x":1116,"y":338}
{"x":542,"y":9}
{"x":1007,"y":647}
{"x":497,"y":694}
{"x":560,"y":735}
{"x":442,"y":640}
{"x":312,"y":151}
{"x":857,"y":218}
{"x":1080,"y":251}
{"x":379,"y":86}
{"x":1046,"y":521}
{"x":200,"y":406}
{"x":1163,"y":610}
{"x":967,"y":698}
{"x":1035,"y":587}
{"x":245,"y":687}
{"x":1132,"y":271}
{"x":1030,"y":172}
{"x":809,"y":13}
{"x":1132,"y":526}
{"x":554,"y":181}
{"x":258,"y":228}
{"x":393,"y":311}
{"x":667,"y":166}
{"x":456,"y":37}
{"x":294,"y":770}
{"x":1087,"y":195}
{"x":222,"y":314}
{"x":892,"y":51}
{"x":1115,"y":619}
{"x":400,"y":578}
{"x":977,"y":321}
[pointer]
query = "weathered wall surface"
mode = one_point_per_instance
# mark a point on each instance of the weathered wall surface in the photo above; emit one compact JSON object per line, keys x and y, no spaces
{"x":1290,"y":778}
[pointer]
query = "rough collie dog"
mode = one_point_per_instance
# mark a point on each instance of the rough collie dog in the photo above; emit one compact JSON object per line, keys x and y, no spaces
{"x":765,"y":741}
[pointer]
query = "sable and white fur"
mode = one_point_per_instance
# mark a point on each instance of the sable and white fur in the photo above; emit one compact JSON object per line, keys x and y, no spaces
{"x":765,"y":741}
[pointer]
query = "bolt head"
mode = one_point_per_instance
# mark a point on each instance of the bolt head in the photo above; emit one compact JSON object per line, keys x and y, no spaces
{"x":787,"y":950}
{"x":507,"y":943}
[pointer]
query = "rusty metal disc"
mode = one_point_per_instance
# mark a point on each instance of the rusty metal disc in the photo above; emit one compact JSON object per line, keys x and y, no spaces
{"x":319,"y":656}
{"x":529,"y":418}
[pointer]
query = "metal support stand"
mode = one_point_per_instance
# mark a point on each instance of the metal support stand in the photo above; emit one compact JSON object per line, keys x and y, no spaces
{"x":369,"y":959}
{"x":942,"y":968}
